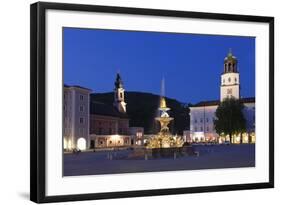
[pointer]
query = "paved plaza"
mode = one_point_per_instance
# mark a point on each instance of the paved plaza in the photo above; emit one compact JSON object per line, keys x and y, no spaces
{"x":210,"y":157}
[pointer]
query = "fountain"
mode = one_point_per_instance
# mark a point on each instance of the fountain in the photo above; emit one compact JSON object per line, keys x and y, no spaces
{"x":164,"y":139}
{"x":163,"y":144}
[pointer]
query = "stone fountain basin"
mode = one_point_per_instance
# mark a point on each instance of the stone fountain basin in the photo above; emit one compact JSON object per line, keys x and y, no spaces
{"x":156,"y":153}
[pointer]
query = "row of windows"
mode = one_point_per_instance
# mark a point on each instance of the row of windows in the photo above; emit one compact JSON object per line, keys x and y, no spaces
{"x":201,"y":129}
{"x":201,"y":120}
{"x":110,"y":131}
{"x":229,"y":80}
{"x":68,"y":120}
{"x":81,"y":108}
{"x":111,"y":142}
{"x":229,"y":66}
{"x":110,"y":123}
{"x":81,"y":97}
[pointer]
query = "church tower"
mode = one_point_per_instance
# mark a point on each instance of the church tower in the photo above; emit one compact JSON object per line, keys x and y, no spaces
{"x":230,"y":85}
{"x":119,"y":97}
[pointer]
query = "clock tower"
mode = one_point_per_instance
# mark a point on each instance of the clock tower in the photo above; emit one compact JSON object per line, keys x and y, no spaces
{"x":230,"y":85}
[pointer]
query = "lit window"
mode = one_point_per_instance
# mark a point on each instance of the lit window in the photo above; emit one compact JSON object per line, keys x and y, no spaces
{"x":139,"y":134}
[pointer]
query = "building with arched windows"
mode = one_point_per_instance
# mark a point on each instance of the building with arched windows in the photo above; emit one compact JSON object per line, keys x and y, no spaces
{"x":202,"y":114}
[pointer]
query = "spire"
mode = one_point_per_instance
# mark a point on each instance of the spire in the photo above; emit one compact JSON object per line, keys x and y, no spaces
{"x":118,"y":82}
{"x":229,"y":52}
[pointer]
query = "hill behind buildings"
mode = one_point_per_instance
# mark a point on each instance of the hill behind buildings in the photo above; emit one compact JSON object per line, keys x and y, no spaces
{"x":142,"y":108}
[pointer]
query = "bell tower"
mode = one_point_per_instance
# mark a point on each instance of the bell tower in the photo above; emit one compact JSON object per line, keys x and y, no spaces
{"x":230,"y":85}
{"x":119,"y":97}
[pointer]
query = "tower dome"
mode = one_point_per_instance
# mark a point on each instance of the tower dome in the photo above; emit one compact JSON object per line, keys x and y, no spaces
{"x":230,"y":63}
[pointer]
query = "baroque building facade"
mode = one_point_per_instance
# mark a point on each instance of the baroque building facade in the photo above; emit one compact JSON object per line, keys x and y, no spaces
{"x":90,"y":124}
{"x":109,"y":123}
{"x":202,"y":114}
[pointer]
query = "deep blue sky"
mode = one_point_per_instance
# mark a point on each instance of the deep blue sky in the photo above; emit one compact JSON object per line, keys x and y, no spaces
{"x":191,"y":64}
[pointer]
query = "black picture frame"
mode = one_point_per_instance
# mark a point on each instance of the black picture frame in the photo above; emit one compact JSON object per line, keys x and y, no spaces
{"x":38,"y":101}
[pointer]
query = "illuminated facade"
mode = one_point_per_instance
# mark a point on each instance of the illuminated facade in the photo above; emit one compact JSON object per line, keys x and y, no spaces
{"x":202,"y":114}
{"x":76,"y":117}
{"x":109,"y":123}
{"x":90,"y":124}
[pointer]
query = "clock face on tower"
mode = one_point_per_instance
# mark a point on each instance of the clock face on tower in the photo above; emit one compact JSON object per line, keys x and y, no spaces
{"x":229,"y":91}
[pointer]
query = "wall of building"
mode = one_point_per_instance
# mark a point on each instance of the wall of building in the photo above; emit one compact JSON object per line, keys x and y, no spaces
{"x":109,"y":141}
{"x":137,"y":134}
{"x":76,"y":118}
{"x":103,"y":125}
{"x":108,"y":125}
{"x":202,"y":123}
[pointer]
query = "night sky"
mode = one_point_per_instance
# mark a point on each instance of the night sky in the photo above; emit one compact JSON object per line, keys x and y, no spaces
{"x":191,"y":64}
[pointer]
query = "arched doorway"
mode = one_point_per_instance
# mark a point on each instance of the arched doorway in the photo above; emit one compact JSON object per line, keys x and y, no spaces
{"x":81,"y":143}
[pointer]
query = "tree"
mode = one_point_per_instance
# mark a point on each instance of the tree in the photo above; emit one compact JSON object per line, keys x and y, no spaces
{"x":229,"y":118}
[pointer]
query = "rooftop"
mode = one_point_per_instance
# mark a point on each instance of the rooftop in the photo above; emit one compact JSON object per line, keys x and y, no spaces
{"x":77,"y":86}
{"x":216,"y":102}
{"x":99,"y":108}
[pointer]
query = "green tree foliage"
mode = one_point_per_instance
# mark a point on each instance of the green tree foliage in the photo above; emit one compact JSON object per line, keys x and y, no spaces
{"x":229,"y":118}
